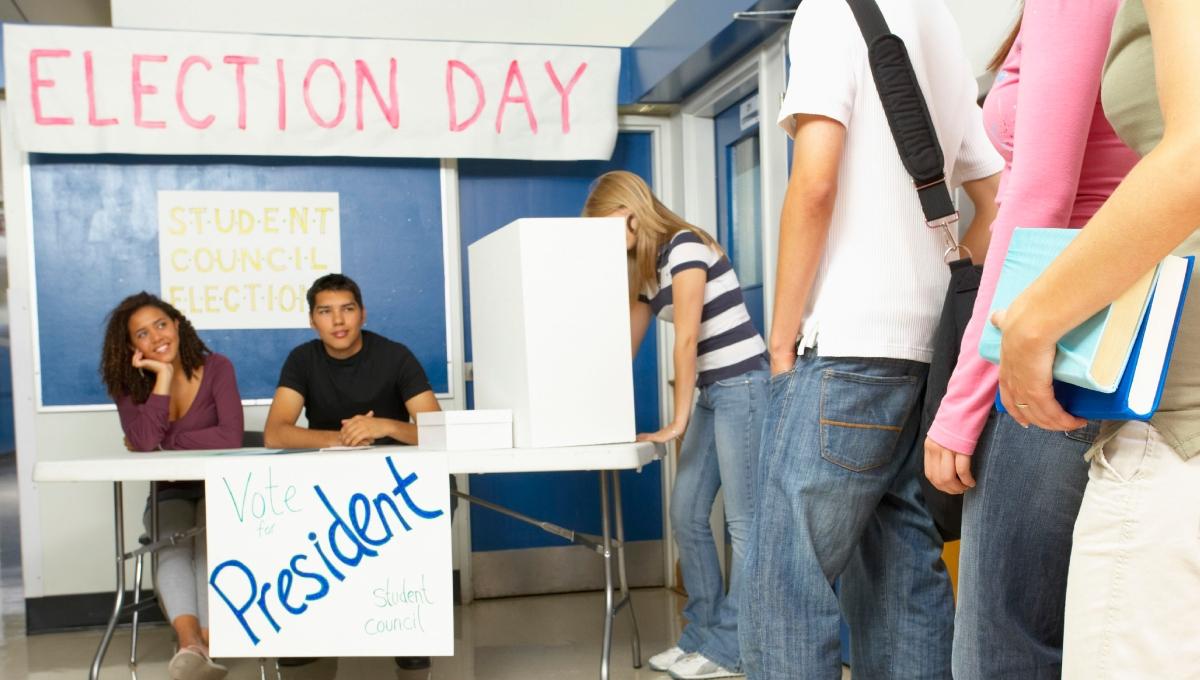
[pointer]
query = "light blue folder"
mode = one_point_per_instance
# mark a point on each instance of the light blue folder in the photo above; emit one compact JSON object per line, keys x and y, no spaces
{"x":1029,"y":253}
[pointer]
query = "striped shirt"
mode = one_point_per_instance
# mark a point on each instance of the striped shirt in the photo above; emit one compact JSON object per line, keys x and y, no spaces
{"x":728,"y":345}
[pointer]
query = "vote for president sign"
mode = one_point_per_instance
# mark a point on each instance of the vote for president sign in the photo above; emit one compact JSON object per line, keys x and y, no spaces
{"x":330,"y":554}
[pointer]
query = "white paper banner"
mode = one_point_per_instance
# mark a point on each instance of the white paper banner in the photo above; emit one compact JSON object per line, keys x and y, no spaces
{"x":330,"y":555}
{"x":245,"y":259}
{"x":98,"y":90}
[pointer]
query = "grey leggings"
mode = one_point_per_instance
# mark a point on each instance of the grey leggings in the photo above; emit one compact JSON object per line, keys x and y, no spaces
{"x":182,"y":568}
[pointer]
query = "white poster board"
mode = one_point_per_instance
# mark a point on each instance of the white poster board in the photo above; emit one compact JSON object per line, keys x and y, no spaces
{"x":245,"y":259}
{"x":330,"y":554}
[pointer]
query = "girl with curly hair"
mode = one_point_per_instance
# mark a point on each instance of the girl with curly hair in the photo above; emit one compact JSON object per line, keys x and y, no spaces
{"x":172,"y":393}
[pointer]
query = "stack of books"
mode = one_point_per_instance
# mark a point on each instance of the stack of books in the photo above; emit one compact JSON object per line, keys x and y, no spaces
{"x":1114,"y":365}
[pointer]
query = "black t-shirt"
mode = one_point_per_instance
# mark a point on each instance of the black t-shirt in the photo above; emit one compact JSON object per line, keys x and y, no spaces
{"x":380,"y":378}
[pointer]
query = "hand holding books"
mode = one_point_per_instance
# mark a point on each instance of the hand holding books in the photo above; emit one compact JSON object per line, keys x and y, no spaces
{"x":1030,"y":378}
{"x":1111,"y":367}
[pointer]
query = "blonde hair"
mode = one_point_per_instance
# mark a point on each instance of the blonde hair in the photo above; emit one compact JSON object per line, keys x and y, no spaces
{"x":654,"y":223}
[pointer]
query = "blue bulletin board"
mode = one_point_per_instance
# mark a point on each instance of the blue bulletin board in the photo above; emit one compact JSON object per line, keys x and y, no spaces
{"x":95,"y":236}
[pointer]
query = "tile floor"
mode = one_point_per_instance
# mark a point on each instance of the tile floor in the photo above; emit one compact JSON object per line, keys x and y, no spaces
{"x":534,"y":637}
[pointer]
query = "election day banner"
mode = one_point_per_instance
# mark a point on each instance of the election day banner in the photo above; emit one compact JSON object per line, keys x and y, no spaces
{"x":103,"y":90}
{"x":332,"y":554}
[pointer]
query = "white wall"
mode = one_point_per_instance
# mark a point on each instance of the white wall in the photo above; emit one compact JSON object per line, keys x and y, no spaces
{"x":564,"y":22}
{"x":983,"y":24}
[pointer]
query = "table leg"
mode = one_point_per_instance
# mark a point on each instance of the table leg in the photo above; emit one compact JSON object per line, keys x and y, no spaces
{"x":137,"y":610}
{"x":119,"y":516}
{"x":626,"y":598}
{"x":606,"y":544}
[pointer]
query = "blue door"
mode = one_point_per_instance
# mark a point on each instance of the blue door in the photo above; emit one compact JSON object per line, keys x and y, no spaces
{"x":493,"y":193}
{"x":739,"y":199}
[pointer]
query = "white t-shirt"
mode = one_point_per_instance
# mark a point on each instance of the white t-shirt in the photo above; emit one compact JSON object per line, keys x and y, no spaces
{"x":882,"y":280}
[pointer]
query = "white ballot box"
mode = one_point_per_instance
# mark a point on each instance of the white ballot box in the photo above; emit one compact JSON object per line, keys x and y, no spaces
{"x":465,"y":430}
{"x":550,"y":330}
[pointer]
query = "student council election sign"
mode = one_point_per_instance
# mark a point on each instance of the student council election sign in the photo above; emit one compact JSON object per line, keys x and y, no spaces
{"x":335,"y":554}
{"x":100,"y":90}
{"x":245,"y":259}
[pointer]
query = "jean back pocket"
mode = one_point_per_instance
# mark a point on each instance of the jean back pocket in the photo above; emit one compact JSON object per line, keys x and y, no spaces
{"x":862,"y":417}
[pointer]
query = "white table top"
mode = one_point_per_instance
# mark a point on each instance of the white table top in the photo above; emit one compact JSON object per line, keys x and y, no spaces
{"x":186,"y":465}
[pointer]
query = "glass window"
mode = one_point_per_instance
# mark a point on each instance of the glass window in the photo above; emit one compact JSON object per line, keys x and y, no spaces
{"x":746,"y":210}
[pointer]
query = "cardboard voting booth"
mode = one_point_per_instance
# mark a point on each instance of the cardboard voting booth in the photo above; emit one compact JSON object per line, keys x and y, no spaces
{"x":550,"y":330}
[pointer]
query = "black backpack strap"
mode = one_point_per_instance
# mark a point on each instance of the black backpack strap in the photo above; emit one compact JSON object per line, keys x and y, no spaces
{"x":907,"y":116}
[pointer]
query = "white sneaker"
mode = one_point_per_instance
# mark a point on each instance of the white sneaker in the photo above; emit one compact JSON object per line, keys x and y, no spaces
{"x":699,"y":667}
{"x":663,"y":660}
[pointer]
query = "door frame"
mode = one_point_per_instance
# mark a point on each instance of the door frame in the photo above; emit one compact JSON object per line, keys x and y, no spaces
{"x":664,"y":151}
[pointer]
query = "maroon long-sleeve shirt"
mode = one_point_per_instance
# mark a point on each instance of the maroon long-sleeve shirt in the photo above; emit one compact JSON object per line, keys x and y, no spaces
{"x":214,"y":420}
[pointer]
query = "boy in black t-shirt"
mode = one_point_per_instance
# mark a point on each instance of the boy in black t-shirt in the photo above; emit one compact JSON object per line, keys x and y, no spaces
{"x":356,"y":387}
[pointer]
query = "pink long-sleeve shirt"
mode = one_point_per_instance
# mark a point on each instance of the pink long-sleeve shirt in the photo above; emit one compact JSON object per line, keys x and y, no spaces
{"x":1062,"y":161}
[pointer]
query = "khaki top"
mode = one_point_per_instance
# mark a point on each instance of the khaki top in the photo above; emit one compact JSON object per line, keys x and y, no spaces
{"x":1130,"y":100}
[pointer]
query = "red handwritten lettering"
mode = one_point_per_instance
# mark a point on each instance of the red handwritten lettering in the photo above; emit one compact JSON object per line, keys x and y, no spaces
{"x":451,"y":98}
{"x":36,"y":83}
{"x":514,"y":76}
{"x":89,"y":82}
{"x":565,"y":93}
{"x":282,"y":99}
{"x":140,"y":90}
{"x":240,"y":63}
{"x":312,"y":111}
{"x":180,"y":83}
{"x":391,"y":109}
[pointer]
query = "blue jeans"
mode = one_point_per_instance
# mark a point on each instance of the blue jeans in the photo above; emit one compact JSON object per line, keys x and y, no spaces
{"x":719,"y":452}
{"x":1016,"y":547}
{"x":839,"y":496}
